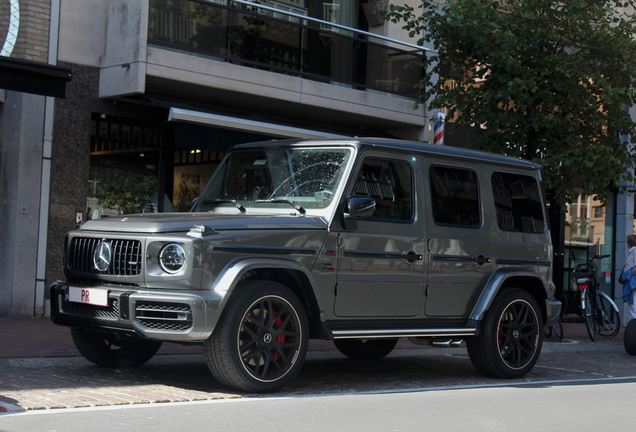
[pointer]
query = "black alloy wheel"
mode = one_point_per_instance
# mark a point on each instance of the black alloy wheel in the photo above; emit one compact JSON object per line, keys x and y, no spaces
{"x":511,"y":336}
{"x":261,"y":341}
{"x":365,"y":349}
{"x":113,"y":351}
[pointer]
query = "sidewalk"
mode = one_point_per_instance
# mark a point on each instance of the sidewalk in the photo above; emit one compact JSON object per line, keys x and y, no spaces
{"x":23,"y":337}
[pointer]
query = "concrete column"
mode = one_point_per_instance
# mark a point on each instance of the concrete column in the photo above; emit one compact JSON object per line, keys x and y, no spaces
{"x":21,"y":132}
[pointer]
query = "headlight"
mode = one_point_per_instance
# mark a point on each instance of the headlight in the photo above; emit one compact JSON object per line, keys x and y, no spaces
{"x":172,"y":258}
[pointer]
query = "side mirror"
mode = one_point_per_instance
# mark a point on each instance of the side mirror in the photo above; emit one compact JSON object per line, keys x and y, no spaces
{"x":359,"y":207}
{"x":193,"y":204}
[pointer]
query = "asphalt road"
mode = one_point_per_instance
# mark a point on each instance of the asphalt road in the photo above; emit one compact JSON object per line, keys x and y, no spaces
{"x":589,"y":405}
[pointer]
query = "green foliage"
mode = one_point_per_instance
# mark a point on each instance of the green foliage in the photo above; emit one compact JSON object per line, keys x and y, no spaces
{"x":126,"y":191}
{"x":545,"y":80}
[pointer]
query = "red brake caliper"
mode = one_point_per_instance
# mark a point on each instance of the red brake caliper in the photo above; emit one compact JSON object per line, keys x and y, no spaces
{"x":280,"y":338}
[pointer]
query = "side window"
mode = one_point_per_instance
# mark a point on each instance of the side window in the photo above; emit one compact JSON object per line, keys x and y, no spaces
{"x":518,"y":203}
{"x":389,"y":183}
{"x":455,"y":196}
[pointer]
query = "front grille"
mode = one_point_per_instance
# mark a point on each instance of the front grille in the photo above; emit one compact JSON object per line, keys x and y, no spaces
{"x":125,"y":257}
{"x":93,"y":311}
{"x":164,"y":316}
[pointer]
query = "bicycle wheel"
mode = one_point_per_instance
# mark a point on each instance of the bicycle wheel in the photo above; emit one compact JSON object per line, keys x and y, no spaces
{"x":610,"y":321}
{"x":587,"y":311}
{"x":557,"y":330}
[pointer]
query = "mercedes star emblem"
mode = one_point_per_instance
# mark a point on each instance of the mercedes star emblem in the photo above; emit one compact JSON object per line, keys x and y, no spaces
{"x":101,"y":256}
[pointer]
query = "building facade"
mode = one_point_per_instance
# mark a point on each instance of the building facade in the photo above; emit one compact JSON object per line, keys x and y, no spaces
{"x":161,"y":89}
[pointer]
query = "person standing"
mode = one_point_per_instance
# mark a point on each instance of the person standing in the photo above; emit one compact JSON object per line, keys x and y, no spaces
{"x":627,"y":277}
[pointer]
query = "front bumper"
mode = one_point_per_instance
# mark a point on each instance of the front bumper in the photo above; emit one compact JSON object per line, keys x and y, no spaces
{"x":182,"y":316}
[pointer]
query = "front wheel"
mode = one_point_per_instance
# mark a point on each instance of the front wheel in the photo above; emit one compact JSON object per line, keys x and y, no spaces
{"x":511,"y":336}
{"x":260,"y":343}
{"x":610,"y":321}
{"x":588,"y":312}
{"x":369,"y":349}
{"x":113,"y":351}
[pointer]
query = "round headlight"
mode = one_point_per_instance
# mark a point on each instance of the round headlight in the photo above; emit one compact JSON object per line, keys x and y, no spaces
{"x":172,"y":258}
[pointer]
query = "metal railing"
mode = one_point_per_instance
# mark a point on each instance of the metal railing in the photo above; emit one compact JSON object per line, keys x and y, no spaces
{"x":268,"y":38}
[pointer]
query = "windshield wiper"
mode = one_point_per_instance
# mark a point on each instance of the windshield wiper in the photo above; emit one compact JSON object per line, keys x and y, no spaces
{"x":294,"y":204}
{"x":235,"y":203}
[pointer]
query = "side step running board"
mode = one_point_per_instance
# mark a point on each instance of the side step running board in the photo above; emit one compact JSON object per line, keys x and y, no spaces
{"x":448,"y":333}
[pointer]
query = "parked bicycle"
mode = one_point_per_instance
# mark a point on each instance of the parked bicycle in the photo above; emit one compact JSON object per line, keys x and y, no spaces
{"x":598,"y":310}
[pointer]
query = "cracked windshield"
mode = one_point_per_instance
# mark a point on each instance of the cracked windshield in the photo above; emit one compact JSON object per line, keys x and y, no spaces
{"x":277,"y":178}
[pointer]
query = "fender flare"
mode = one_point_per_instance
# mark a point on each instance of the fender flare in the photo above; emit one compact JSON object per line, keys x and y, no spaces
{"x":493,"y":286}
{"x":230,"y":276}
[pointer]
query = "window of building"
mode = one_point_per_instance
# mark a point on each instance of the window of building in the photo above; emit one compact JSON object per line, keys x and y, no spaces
{"x":587,"y":235}
{"x":192,"y":170}
{"x":518,"y":203}
{"x":389,"y":183}
{"x":124,"y":167}
{"x":455,"y":197}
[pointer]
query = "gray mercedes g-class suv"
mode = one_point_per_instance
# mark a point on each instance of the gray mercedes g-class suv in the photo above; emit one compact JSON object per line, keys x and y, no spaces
{"x":359,"y":241}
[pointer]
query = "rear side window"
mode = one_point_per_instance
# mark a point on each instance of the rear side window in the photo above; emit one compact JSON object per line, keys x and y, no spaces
{"x":455,"y":196}
{"x":518,"y":203}
{"x":389,"y":183}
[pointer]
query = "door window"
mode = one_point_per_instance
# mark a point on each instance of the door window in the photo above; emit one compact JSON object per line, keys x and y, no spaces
{"x":389,"y":183}
{"x":455,"y":197}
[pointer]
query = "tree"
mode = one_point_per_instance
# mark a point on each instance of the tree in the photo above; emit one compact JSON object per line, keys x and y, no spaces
{"x":126,"y":191}
{"x":545,"y":80}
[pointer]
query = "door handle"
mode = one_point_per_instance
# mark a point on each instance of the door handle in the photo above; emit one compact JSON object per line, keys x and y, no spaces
{"x":412,"y":257}
{"x":481,"y":260}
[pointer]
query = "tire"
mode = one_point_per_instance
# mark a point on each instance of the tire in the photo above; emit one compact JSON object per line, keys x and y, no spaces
{"x":588,"y":317}
{"x":113,"y":351}
{"x":260,"y":342}
{"x":610,"y":320}
{"x":511,"y":336}
{"x":629,"y":337}
{"x":369,"y":349}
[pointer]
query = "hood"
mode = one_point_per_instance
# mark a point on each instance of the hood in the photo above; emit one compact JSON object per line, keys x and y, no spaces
{"x":183,"y":222}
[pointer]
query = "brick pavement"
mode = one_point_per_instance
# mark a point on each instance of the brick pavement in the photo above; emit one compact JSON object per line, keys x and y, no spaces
{"x":40,"y":369}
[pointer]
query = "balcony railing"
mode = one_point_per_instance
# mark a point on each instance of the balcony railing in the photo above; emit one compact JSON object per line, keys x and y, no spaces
{"x":285,"y":42}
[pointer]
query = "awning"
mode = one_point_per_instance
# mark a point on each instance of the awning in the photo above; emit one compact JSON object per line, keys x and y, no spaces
{"x":33,"y":77}
{"x":246,"y":125}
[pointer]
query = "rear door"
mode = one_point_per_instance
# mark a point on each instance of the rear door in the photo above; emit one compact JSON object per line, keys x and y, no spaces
{"x":460,"y":242}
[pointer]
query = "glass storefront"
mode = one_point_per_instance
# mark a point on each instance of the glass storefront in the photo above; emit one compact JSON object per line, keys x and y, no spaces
{"x":124,"y":167}
{"x":589,"y":231}
{"x":143,"y":167}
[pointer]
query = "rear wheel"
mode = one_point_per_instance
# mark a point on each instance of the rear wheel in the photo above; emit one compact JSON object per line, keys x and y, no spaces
{"x":260,"y":343}
{"x":113,"y":351}
{"x":369,"y":349}
{"x":511,"y":336}
{"x":610,"y":320}
{"x":589,"y":317}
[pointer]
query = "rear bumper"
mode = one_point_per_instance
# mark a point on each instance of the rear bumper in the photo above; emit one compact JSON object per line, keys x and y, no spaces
{"x":553,"y":311}
{"x":183,"y":316}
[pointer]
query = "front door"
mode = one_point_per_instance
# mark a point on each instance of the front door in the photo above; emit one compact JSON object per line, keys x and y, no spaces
{"x":381,"y":259}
